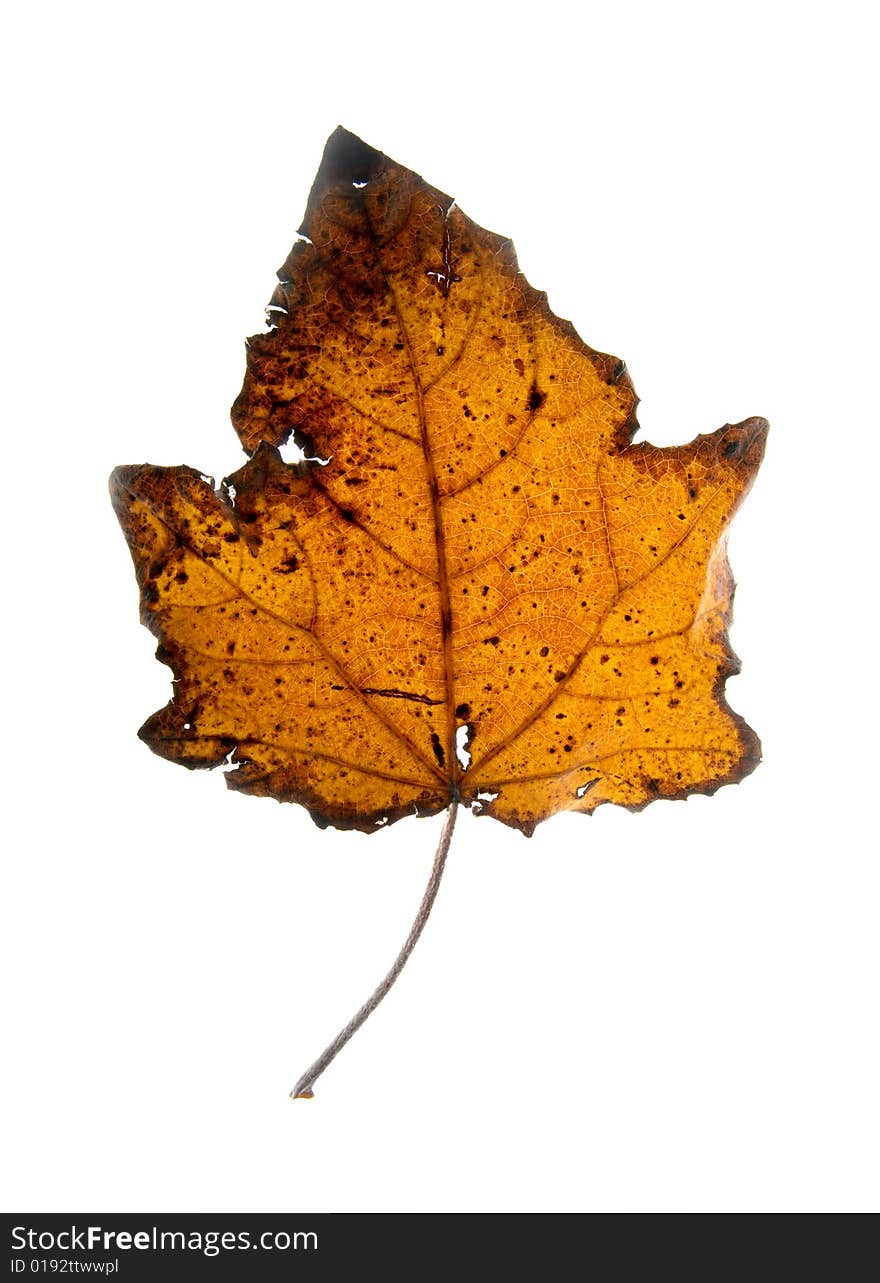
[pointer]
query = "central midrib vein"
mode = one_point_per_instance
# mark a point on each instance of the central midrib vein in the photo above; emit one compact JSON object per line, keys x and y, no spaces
{"x":451,"y":763}
{"x":442,"y":569}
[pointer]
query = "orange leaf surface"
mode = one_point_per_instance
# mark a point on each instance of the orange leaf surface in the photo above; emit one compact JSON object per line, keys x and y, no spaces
{"x":484,"y":547}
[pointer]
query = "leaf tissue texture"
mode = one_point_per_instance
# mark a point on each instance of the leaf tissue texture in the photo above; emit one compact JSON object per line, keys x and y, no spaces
{"x":483,"y":547}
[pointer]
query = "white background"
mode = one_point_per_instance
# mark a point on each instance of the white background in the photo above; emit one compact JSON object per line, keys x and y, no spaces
{"x":673,"y":1011}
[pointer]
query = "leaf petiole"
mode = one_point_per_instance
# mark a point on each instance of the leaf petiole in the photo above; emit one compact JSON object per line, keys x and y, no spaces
{"x":304,"y":1087}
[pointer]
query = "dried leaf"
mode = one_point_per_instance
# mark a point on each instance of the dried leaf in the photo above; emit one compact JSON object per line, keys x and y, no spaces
{"x":484,"y":555}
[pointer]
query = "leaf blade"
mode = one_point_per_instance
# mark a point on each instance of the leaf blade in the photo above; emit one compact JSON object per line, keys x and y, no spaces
{"x":485,"y":547}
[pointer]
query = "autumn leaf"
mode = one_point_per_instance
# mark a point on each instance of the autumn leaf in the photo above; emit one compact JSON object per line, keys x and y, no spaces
{"x":475,"y":589}
{"x":484,"y":556}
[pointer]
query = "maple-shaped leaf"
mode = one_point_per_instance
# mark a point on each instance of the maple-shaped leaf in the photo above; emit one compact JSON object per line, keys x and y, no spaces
{"x":476,"y":589}
{"x":485,"y":555}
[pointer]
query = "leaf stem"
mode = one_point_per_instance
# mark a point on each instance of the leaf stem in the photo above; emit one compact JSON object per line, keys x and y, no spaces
{"x":303,"y":1089}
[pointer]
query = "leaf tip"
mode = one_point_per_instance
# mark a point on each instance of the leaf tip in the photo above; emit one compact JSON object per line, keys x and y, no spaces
{"x":119,"y":484}
{"x":744,"y":443}
{"x":346,"y":159}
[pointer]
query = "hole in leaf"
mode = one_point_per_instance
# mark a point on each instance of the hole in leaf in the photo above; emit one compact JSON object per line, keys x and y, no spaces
{"x":292,"y":452}
{"x":462,"y":741}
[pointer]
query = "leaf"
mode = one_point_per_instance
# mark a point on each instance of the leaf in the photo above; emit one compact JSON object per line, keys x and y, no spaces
{"x":484,"y":554}
{"x":474,"y":550}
